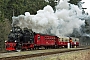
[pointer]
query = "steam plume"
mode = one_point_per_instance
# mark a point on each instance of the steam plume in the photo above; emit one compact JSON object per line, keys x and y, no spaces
{"x":63,"y":21}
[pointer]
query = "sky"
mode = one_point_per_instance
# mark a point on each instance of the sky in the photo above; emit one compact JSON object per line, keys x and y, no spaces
{"x":86,"y":5}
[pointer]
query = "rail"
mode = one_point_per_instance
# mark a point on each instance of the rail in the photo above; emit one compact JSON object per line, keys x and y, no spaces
{"x":40,"y":54}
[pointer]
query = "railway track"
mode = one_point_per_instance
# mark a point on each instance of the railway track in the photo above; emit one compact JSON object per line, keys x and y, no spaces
{"x":40,"y":54}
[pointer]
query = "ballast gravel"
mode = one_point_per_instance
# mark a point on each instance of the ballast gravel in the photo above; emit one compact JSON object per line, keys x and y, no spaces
{"x":76,"y":55}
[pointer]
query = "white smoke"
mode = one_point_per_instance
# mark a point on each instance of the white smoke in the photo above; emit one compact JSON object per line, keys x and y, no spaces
{"x":85,"y":34}
{"x":86,"y":5}
{"x":60,"y":22}
{"x":46,"y":0}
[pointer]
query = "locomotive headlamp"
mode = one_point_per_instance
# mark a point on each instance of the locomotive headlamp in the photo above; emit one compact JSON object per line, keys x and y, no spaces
{"x":5,"y":41}
{"x":15,"y":41}
{"x":11,"y":30}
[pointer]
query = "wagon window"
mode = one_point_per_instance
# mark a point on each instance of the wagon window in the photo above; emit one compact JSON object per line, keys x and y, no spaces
{"x":38,"y":37}
{"x":62,"y":39}
{"x":54,"y":38}
{"x":75,"y":40}
{"x":45,"y":37}
{"x":59,"y":39}
{"x":66,"y":39}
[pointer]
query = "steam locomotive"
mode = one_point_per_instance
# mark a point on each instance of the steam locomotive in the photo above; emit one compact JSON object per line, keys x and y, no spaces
{"x":25,"y":39}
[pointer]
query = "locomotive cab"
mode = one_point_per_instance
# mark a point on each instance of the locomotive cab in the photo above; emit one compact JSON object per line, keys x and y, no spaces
{"x":28,"y":39}
{"x":28,"y":36}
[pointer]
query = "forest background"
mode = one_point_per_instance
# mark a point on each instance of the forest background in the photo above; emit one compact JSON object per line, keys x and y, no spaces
{"x":7,"y":7}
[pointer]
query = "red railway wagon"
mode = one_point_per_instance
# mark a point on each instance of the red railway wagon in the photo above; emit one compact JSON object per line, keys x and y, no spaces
{"x":63,"y":41}
{"x":44,"y":40}
{"x":75,"y":42}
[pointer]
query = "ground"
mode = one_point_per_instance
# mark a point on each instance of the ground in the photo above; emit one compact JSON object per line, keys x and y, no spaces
{"x":78,"y":55}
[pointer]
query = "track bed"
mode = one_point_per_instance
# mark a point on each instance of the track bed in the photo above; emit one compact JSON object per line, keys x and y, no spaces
{"x":35,"y":53}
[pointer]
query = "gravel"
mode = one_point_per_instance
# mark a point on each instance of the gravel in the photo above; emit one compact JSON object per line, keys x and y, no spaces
{"x":76,"y":55}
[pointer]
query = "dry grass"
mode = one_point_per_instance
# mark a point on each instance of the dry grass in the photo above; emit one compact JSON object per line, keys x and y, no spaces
{"x":80,"y":55}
